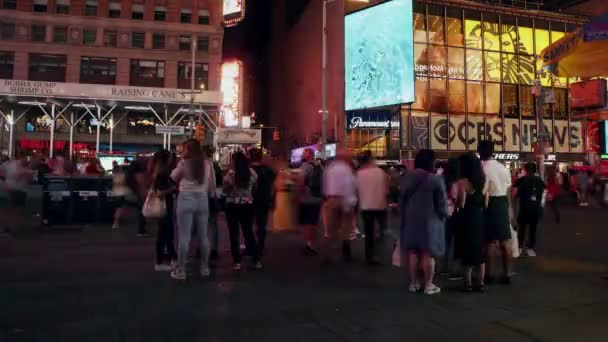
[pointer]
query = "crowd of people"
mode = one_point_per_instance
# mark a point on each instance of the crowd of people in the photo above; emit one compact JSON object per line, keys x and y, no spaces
{"x":460,"y":213}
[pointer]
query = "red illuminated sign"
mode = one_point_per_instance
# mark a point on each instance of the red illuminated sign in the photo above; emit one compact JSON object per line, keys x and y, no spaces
{"x":588,"y":94}
{"x":29,"y":144}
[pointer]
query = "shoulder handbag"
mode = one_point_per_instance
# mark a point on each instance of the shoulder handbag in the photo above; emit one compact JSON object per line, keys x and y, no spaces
{"x":154,"y":207}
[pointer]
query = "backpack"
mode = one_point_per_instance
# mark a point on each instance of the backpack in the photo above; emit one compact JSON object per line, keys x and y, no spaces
{"x":314,"y":181}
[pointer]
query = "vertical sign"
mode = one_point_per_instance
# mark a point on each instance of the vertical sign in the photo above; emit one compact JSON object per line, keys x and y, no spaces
{"x":233,"y":11}
{"x":232,"y":84}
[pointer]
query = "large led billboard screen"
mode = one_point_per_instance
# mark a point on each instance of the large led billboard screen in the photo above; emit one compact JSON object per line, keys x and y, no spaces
{"x":379,"y":57}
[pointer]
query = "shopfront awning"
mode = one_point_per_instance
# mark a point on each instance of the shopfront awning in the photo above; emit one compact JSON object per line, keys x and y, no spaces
{"x":582,"y":53}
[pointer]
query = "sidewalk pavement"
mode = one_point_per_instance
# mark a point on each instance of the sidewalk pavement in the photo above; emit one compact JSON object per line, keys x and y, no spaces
{"x":99,"y":285}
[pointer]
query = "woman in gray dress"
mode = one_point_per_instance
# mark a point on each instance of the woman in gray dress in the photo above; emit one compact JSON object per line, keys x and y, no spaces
{"x":423,"y":213}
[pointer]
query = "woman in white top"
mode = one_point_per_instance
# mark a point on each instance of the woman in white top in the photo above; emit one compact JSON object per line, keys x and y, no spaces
{"x":196,"y":179}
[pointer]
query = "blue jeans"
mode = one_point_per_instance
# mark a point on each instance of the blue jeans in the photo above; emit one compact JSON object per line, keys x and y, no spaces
{"x":192,"y":206}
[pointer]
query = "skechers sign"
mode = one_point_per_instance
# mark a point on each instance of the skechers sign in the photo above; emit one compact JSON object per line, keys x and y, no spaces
{"x":371,"y":119}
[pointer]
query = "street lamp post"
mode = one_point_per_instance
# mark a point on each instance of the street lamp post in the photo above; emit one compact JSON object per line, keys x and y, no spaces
{"x":324,"y":113}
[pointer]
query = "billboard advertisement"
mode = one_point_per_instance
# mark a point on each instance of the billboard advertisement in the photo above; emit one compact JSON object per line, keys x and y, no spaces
{"x":379,"y":59}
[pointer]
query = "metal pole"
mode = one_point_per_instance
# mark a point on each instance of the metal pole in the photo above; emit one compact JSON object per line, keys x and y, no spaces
{"x":11,"y":129}
{"x":98,"y":130}
{"x":540,"y":132}
{"x":164,"y":140}
{"x":111,"y":133}
{"x":324,"y":83}
{"x":71,"y":135}
{"x":52,"y":141}
{"x":192,"y":78}
{"x":169,"y":142}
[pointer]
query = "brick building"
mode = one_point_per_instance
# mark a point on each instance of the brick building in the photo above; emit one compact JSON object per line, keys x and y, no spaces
{"x":129,"y":43}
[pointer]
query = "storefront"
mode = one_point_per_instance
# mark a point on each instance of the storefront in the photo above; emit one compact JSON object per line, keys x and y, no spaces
{"x":375,"y":130}
{"x":474,"y":69}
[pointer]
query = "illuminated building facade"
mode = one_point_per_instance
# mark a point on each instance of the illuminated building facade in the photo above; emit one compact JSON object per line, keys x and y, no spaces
{"x":474,"y":69}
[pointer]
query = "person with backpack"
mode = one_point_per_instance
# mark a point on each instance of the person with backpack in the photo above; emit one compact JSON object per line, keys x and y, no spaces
{"x":529,"y":190}
{"x":311,"y":197}
{"x":262,"y":196}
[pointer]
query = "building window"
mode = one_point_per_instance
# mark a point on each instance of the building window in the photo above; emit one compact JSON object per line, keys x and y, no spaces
{"x":7,"y":62}
{"x":203,"y":17}
{"x":141,"y":123}
{"x":41,"y":5}
{"x":137,"y":12}
{"x":7,"y":31}
{"x":47,"y":67}
{"x":114,"y":10}
{"x":147,"y":73}
{"x":62,"y":7}
{"x":184,"y":75}
{"x":160,"y":13}
{"x":38,"y":33}
{"x":185,"y":42}
{"x":9,"y":4}
{"x":110,"y":38}
{"x":60,"y":34}
{"x":203,"y":44}
{"x":89,"y":37}
{"x":98,"y":70}
{"x":90,"y":8}
{"x":138,"y":39}
{"x":185,"y":16}
{"x":158,"y":41}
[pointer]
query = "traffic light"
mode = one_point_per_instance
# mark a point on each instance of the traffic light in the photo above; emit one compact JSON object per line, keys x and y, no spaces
{"x":275,"y":135}
{"x":199,"y":133}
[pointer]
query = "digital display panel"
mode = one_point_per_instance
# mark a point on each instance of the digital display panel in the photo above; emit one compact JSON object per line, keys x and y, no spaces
{"x":379,"y":59}
{"x":603,"y":125}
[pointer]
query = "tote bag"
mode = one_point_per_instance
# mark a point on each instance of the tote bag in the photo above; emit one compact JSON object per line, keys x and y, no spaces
{"x":154,"y":206}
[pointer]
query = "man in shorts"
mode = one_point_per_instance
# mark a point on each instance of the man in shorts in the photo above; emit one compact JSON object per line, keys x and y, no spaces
{"x":497,"y":223}
{"x":310,"y":199}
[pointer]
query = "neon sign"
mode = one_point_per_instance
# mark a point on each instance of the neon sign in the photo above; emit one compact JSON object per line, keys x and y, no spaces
{"x":232,"y":90}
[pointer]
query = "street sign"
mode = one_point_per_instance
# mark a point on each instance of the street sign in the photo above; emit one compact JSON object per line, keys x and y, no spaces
{"x":174,"y":130}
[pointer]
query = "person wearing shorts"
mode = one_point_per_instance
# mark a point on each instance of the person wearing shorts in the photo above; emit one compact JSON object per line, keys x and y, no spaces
{"x":309,"y":208}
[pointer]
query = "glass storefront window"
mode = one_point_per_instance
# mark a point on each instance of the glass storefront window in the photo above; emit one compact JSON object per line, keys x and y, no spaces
{"x":456,"y":63}
{"x":510,"y":100}
{"x":472,"y":29}
{"x":436,"y":25}
{"x":421,"y":95}
{"x":526,"y":36}
{"x":541,"y":35}
{"x":526,"y":103}
{"x":405,"y":114}
{"x":560,"y":109}
{"x":439,"y":132}
{"x":419,"y":26}
{"x":474,"y":65}
{"x":474,"y":97}
{"x":419,"y":130}
{"x":491,"y":32}
{"x":492,"y":97}
{"x":475,"y":131}
{"x":509,"y":68}
{"x":421,"y":67}
{"x":526,"y":69}
{"x":494,"y":131}
{"x":456,"y":96}
{"x":508,"y":34}
{"x":557,"y":33}
{"x":454,"y":27}
{"x":438,"y":96}
{"x":437,"y":61}
{"x":492,"y":66}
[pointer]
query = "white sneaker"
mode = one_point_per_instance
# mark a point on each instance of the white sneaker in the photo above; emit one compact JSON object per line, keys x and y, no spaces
{"x":530,"y":252}
{"x":162,"y":268}
{"x":205,"y":272}
{"x":178,"y":275}
{"x":432,"y":290}
{"x":414,"y":288}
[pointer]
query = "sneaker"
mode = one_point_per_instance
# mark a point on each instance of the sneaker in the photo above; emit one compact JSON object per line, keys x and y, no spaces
{"x":178,"y":275}
{"x":414,"y":288}
{"x":162,"y":268}
{"x":236,"y":267}
{"x":432,"y":290}
{"x":258,"y":265}
{"x":205,"y":272}
{"x":530,"y":252}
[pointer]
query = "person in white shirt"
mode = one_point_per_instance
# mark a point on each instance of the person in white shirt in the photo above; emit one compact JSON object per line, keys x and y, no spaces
{"x":196,"y":180}
{"x":339,"y":188}
{"x":497,"y":222}
{"x":372,"y":187}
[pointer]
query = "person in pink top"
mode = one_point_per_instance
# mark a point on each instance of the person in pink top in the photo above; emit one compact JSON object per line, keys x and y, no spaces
{"x":372,"y":188}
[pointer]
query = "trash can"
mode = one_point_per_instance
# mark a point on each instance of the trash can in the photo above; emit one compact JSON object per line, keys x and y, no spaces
{"x":108,"y":201}
{"x":85,"y":196}
{"x":57,"y":201}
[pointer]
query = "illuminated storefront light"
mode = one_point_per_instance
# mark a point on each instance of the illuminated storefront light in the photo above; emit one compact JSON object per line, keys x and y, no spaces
{"x":233,"y":11}
{"x":232,"y":89}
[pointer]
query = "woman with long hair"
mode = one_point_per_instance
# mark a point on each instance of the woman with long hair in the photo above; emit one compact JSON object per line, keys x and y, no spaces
{"x":159,"y":172}
{"x":451,"y":175}
{"x":424,"y":210}
{"x":196,"y":180}
{"x":238,"y":189}
{"x":471,"y":200}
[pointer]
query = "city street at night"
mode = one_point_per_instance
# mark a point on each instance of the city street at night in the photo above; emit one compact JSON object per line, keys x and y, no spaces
{"x":99,"y":285}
